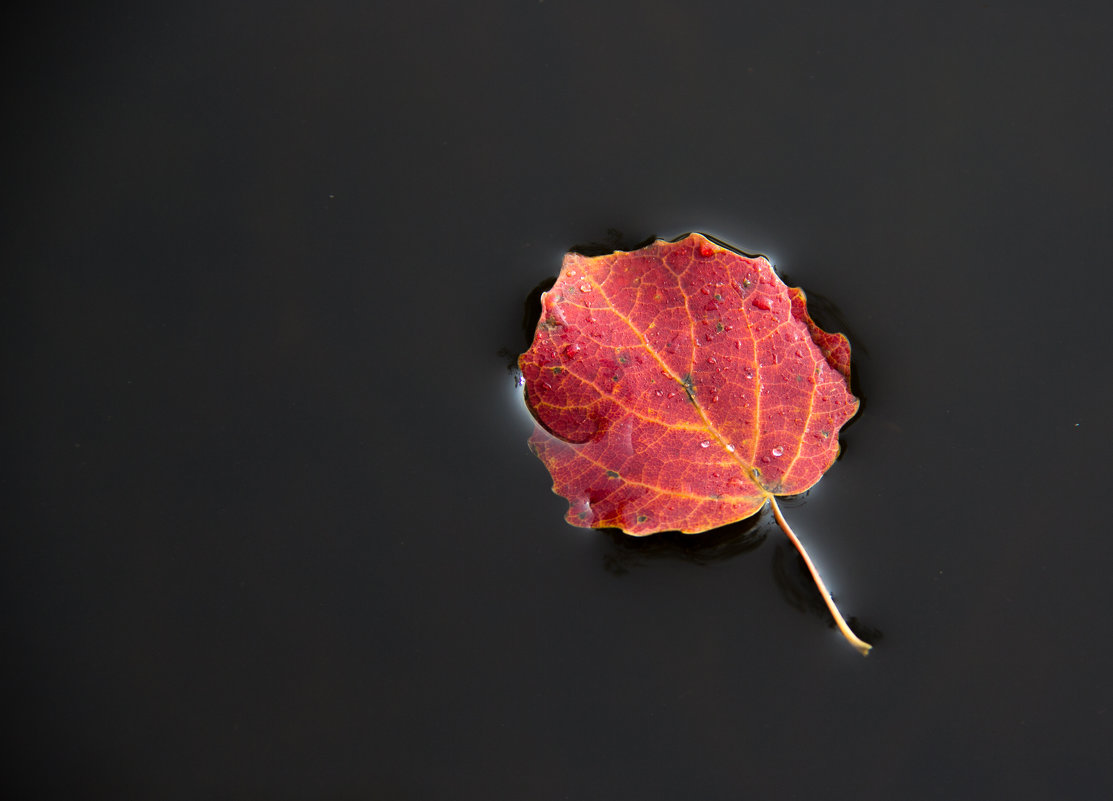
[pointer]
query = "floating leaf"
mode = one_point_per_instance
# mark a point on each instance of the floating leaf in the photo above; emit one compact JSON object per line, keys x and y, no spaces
{"x":682,"y":387}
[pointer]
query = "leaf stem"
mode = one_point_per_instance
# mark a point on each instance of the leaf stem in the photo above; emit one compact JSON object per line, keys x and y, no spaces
{"x":862,"y":646}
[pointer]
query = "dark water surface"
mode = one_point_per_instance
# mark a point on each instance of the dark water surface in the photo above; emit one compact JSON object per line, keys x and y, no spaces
{"x":271,"y":526}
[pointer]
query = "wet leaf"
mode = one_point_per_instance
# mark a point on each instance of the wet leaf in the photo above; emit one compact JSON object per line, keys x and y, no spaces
{"x":683,"y":386}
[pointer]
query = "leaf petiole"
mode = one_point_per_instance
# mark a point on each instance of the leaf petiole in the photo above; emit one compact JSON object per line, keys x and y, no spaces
{"x":862,"y":646}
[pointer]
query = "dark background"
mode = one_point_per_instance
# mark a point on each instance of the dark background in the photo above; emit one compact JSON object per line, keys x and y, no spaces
{"x":271,"y":528}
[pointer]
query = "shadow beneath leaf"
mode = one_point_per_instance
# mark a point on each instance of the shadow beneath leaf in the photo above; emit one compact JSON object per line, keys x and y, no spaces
{"x":624,"y":553}
{"x":795,"y":582}
{"x":614,"y":241}
{"x":531,"y":313}
{"x":531,"y":309}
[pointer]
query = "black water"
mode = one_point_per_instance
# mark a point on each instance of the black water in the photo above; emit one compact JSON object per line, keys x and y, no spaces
{"x":271,"y":529}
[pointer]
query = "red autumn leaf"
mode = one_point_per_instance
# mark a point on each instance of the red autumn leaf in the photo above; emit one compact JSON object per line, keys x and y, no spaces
{"x":683,"y":386}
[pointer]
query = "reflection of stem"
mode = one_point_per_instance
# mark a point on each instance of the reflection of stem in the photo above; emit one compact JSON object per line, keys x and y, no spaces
{"x":863,"y":647}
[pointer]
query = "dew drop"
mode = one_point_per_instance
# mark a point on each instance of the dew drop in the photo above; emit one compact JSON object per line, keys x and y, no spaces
{"x":749,"y":373}
{"x":705,"y":444}
{"x":730,"y":448}
{"x":571,"y":350}
{"x":760,"y":301}
{"x":571,"y":272}
{"x":706,"y":251}
{"x":711,"y":360}
{"x":585,"y":287}
{"x":660,"y":393}
{"x":778,"y":451}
